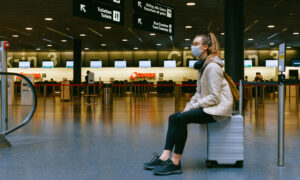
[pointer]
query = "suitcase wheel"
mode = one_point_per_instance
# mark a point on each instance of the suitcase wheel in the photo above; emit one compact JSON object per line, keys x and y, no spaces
{"x":239,"y":164}
{"x":211,"y":164}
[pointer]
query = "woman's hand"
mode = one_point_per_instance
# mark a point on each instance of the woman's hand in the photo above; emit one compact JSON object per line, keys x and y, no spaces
{"x":184,"y":110}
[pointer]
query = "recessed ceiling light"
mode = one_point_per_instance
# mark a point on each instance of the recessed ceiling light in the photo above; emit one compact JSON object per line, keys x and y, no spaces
{"x":49,"y":45}
{"x":48,"y":19}
{"x":250,"y":39}
{"x":289,"y":47}
{"x":38,"y":49}
{"x":271,"y":26}
{"x":86,"y":49}
{"x":272,"y":44}
{"x":222,"y":34}
{"x":107,"y":27}
{"x":82,"y":35}
{"x":190,"y":3}
{"x":124,"y":40}
{"x":135,"y":48}
{"x":103,"y":45}
{"x":29,"y":28}
{"x":188,"y":27}
{"x":15,"y":35}
{"x":152,"y":34}
{"x":187,"y":39}
{"x":295,"y":33}
{"x":158,"y":44}
{"x":63,"y":40}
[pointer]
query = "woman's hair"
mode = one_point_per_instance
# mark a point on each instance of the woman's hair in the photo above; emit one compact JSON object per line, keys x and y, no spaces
{"x":212,"y":42}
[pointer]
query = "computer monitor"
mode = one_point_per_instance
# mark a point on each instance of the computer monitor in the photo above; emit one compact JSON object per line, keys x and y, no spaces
{"x":192,"y":62}
{"x":120,"y":64}
{"x":145,"y":64}
{"x":48,"y":64}
{"x":295,"y":63}
{"x":169,"y":63}
{"x":95,"y":64}
{"x":69,"y":64}
{"x":271,"y":63}
{"x":24,"y":64}
{"x":247,"y":63}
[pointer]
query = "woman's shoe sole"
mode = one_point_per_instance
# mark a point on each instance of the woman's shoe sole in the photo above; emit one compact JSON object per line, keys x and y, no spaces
{"x":168,"y":173}
{"x":148,"y":167}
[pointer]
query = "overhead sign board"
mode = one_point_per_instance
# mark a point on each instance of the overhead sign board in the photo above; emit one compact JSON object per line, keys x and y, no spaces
{"x":153,"y":24}
{"x":112,"y":2}
{"x":281,"y":63}
{"x":154,"y":17}
{"x":94,"y":10}
{"x":153,"y":8}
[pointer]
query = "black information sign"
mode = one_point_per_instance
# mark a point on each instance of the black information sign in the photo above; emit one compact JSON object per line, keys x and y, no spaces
{"x":150,"y":23}
{"x":153,"y":8}
{"x":119,"y":3}
{"x":90,"y":9}
{"x":153,"y":16}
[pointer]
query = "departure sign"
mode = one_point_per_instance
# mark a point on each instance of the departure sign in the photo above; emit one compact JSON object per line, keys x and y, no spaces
{"x":153,"y":8}
{"x":154,"y":17}
{"x":94,"y":10}
{"x":281,"y":63}
{"x":112,"y":2}
{"x":153,"y":24}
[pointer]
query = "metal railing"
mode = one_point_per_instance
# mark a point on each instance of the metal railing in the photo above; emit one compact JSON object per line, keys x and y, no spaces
{"x":34,"y":105}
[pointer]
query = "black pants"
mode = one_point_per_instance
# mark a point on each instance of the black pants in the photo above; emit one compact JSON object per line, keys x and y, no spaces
{"x":177,"y":129}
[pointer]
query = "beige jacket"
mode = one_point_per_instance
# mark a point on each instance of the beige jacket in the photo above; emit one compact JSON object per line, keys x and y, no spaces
{"x":213,"y":92}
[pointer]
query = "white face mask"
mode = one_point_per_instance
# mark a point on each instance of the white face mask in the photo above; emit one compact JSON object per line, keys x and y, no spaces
{"x":196,"y":51}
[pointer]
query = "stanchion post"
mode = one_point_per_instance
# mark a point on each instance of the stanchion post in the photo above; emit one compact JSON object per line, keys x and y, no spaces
{"x":256,"y":101}
{"x":281,"y":79}
{"x":4,"y":97}
{"x":241,"y":97}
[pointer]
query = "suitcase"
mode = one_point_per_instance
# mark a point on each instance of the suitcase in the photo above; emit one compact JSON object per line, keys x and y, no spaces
{"x":225,"y":142}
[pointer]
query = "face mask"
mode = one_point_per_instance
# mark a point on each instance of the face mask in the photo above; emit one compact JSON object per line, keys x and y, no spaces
{"x":199,"y":64}
{"x":196,"y":51}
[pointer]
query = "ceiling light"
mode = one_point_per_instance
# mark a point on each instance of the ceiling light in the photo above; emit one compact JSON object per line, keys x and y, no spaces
{"x":186,"y":47}
{"x":103,"y":45}
{"x":250,"y":39}
{"x":152,"y":34}
{"x":29,"y":28}
{"x":38,"y":49}
{"x":187,"y":39}
{"x":82,"y":35}
{"x":271,"y":26}
{"x":158,"y":44}
{"x":222,"y":34}
{"x":190,"y":3}
{"x":124,"y":40}
{"x":289,"y":47}
{"x":63,"y":40}
{"x":48,"y":19}
{"x":135,"y":48}
{"x":188,"y":27}
{"x":86,"y":49}
{"x":49,"y":45}
{"x":272,"y":44}
{"x":107,"y":27}
{"x":15,"y":35}
{"x":295,"y":33}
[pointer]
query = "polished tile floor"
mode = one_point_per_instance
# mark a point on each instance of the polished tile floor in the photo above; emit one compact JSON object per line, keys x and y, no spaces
{"x":74,"y":140}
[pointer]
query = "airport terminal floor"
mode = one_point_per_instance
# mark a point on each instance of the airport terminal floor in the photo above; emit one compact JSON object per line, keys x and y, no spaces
{"x":76,"y":140}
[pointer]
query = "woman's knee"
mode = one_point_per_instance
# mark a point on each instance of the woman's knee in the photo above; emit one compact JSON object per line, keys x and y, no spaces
{"x":172,"y":118}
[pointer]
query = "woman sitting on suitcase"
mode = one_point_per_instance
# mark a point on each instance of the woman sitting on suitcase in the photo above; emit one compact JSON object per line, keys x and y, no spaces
{"x":212,"y":102}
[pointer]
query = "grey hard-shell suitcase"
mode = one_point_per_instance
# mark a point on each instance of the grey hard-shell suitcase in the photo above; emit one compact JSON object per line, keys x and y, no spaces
{"x":225,"y":142}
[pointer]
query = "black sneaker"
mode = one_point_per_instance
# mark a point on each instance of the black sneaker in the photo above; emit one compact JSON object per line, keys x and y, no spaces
{"x":168,"y":168}
{"x":154,"y":162}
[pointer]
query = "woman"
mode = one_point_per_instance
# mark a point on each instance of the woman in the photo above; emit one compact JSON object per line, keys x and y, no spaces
{"x":212,"y":102}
